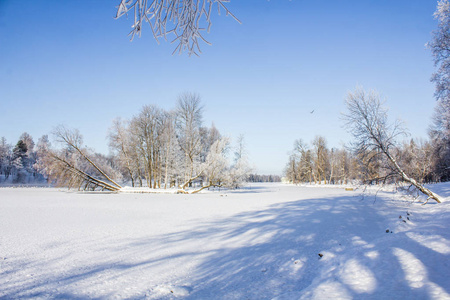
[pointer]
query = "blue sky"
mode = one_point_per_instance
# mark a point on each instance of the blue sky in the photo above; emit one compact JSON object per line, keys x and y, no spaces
{"x":71,"y":62}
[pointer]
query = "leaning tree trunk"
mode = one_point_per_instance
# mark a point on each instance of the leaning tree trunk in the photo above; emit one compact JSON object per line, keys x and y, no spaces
{"x":211,"y":184}
{"x":74,"y":146}
{"x":412,"y":181}
{"x":98,"y":169}
{"x":84,"y":177}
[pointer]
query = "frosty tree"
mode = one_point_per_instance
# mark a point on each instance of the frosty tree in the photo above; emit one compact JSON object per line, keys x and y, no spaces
{"x":440,"y":48}
{"x":146,"y":128}
{"x":156,"y":147}
{"x":183,"y":19}
{"x":120,"y":142}
{"x":188,"y":121}
{"x":215,"y":169}
{"x":367,"y":121}
{"x":5,"y":158}
{"x":320,"y":158}
{"x":318,"y":164}
{"x":20,"y":159}
{"x":170,"y":149}
{"x":240,"y":169}
{"x":440,"y":129}
{"x":74,"y":165}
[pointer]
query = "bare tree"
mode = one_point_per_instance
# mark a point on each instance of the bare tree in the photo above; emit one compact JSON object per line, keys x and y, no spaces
{"x":305,"y":170}
{"x":207,"y":138}
{"x":169,"y":149}
{"x":439,"y":133}
{"x":119,"y":142}
{"x":186,"y":16}
{"x":146,"y":127}
{"x":73,"y":165}
{"x":188,"y":120}
{"x":333,"y":159}
{"x":302,"y":165}
{"x":240,"y":151}
{"x":440,"y":49}
{"x":290,"y":170}
{"x":216,"y":168}
{"x":241,"y":168}
{"x":320,"y":158}
{"x":440,"y":128}
{"x":417,"y":159}
{"x":367,"y":120}
{"x":73,"y":140}
{"x":342,"y":165}
{"x":369,"y":167}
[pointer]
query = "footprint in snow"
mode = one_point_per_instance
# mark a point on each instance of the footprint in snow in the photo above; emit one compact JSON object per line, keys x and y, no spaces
{"x":179,"y":291}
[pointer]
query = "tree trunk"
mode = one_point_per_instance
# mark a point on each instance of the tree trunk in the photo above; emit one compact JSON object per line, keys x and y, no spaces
{"x":421,"y":188}
{"x":206,"y":187}
{"x":97,"y":168}
{"x":84,"y":176}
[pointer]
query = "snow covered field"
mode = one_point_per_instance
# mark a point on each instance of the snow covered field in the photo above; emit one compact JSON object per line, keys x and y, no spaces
{"x":262,"y":242}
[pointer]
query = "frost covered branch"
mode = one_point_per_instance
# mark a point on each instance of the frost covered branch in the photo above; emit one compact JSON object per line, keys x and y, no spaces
{"x":185,"y":16}
{"x":73,"y":139}
{"x":440,"y":129}
{"x":366,"y":119}
{"x":73,"y":165}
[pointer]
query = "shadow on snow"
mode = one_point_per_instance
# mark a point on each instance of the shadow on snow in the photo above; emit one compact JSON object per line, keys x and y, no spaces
{"x":267,"y":254}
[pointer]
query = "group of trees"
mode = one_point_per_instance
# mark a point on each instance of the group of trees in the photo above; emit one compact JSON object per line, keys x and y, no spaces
{"x":173,"y":148}
{"x":376,"y":154}
{"x":376,"y":139}
{"x":155,"y":149}
{"x":317,"y":163}
{"x":17,"y":163}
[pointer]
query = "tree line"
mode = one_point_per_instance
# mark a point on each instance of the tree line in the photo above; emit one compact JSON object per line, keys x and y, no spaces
{"x":263,"y":178}
{"x":316,"y":163}
{"x":155,"y":149}
{"x":18,"y":163}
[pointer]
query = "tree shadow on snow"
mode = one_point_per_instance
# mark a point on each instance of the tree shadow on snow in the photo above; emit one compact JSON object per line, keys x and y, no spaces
{"x":275,"y":253}
{"x":266,"y":254}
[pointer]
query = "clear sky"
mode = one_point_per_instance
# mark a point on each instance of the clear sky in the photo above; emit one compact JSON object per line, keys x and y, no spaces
{"x":71,"y":62}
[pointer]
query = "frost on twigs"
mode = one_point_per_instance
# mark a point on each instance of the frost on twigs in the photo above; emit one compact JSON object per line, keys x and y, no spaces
{"x":76,"y":166}
{"x":186,"y":17}
{"x":366,"y":119}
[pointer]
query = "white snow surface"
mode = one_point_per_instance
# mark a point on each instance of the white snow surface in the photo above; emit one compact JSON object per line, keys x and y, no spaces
{"x":261,"y":242}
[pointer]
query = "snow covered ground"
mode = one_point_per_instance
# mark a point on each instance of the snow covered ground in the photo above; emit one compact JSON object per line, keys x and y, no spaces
{"x":262,"y":242}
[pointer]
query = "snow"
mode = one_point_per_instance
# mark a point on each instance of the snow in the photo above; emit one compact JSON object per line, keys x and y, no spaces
{"x":262,"y":242}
